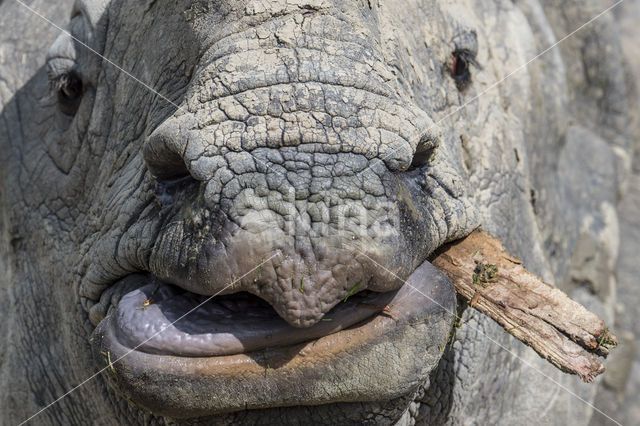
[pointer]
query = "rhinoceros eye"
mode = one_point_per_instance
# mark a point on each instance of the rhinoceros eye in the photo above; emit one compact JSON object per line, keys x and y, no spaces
{"x":460,"y":67}
{"x":68,"y":87}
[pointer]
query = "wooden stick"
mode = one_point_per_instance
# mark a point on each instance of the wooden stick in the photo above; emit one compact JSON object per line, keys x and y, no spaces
{"x":495,"y":283}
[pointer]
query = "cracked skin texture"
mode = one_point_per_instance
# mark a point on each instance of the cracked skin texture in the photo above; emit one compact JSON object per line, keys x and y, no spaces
{"x":311,"y":129}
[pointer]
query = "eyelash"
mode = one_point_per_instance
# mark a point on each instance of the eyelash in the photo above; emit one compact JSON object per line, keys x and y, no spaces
{"x":68,"y":88}
{"x":459,"y":67}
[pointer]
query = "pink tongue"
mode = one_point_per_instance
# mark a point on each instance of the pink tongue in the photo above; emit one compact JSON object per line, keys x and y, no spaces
{"x":174,"y":324}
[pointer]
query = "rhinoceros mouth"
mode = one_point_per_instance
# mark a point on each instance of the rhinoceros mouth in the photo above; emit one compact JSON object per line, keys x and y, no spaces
{"x":167,"y":320}
{"x":236,"y":353}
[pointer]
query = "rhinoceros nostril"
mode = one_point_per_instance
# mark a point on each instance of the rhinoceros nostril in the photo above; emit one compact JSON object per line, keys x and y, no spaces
{"x":168,"y":168}
{"x":425,"y":152}
{"x":422,"y":158}
{"x":163,"y":153}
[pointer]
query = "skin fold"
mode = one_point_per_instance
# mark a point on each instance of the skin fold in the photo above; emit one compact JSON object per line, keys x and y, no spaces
{"x":299,"y":151}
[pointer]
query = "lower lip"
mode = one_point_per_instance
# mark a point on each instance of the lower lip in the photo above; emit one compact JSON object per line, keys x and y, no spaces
{"x":417,"y":319}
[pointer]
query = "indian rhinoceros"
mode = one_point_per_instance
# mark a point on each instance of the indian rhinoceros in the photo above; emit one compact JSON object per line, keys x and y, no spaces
{"x":299,"y":160}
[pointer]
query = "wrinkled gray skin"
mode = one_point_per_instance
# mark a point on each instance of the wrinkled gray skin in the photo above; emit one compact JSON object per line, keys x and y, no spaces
{"x":293,"y":126}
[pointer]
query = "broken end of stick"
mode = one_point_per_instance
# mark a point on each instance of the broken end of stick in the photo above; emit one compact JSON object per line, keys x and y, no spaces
{"x":592,"y":368}
{"x":594,"y":372}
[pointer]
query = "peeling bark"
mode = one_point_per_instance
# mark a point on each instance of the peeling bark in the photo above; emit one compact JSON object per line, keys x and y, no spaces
{"x":496,"y":284}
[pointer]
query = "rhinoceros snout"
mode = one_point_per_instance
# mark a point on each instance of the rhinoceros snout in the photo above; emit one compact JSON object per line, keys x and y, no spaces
{"x":292,"y":151}
{"x":326,"y":211}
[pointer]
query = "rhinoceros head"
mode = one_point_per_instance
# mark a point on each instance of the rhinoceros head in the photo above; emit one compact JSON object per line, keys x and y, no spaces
{"x":234,"y":201}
